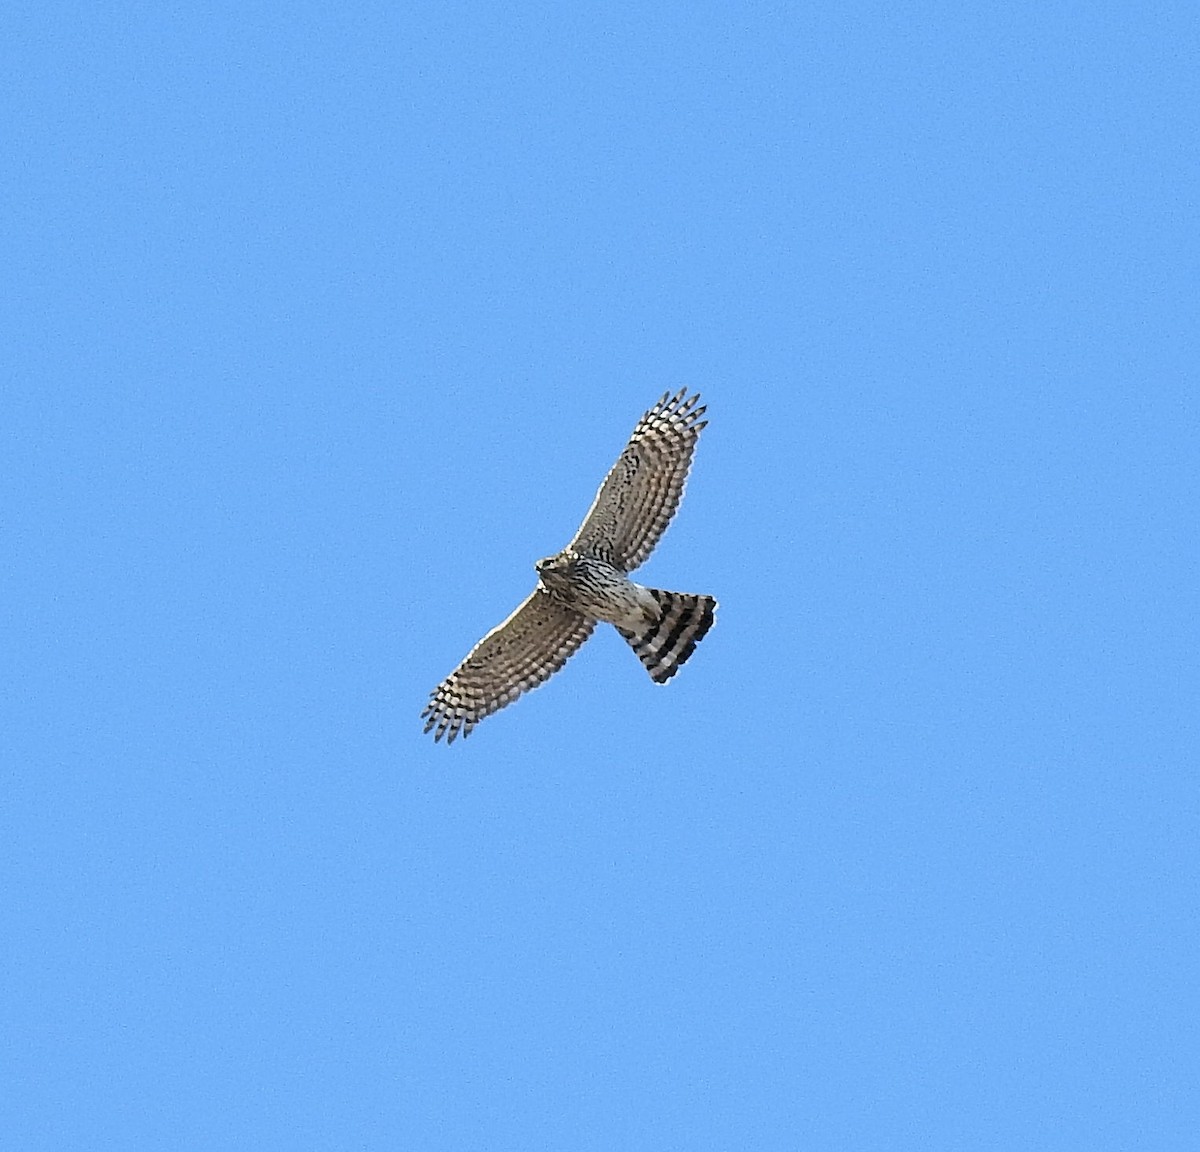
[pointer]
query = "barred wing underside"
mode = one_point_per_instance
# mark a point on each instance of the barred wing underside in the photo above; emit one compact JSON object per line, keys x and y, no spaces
{"x":639,"y":496}
{"x":531,"y":645}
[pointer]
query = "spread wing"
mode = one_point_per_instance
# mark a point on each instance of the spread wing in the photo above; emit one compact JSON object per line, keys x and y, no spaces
{"x":639,"y":496}
{"x":531,"y":645}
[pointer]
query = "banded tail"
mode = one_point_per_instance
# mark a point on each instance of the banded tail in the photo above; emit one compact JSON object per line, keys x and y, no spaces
{"x":664,"y":644}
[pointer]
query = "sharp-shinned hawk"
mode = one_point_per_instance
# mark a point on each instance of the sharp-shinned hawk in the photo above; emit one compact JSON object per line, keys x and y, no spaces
{"x":587,"y":582}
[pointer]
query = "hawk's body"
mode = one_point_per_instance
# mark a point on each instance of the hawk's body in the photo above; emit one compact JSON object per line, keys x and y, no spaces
{"x":587,"y":582}
{"x":595,"y":588}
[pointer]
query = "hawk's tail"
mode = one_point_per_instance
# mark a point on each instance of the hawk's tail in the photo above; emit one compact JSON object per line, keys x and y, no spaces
{"x":663,"y":644}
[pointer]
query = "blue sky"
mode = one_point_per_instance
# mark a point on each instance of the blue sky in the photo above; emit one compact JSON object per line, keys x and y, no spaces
{"x":320,"y":324}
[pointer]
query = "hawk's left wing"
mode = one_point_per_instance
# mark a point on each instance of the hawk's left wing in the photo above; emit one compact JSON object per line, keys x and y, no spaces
{"x":531,"y":645}
{"x":639,"y":496}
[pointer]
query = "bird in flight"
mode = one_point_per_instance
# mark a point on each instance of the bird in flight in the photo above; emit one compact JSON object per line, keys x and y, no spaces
{"x":588,"y":582}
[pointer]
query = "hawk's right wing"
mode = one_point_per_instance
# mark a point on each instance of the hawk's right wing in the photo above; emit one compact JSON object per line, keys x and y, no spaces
{"x":531,"y":645}
{"x":639,"y":496}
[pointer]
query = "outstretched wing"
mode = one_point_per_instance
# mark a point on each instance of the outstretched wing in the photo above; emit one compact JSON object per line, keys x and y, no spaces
{"x":639,"y":496}
{"x":531,"y":645}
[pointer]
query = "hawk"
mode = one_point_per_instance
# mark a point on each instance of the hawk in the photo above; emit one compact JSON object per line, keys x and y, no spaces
{"x":587,"y":582}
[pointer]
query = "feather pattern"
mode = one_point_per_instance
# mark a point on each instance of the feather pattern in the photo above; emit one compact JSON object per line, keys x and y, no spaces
{"x":643,"y":489}
{"x":519,"y":654}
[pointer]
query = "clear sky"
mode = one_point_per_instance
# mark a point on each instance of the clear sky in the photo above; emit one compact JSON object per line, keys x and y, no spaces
{"x":321,"y":323}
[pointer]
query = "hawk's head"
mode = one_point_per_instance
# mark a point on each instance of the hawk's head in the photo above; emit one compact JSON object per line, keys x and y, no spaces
{"x":554,"y":572}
